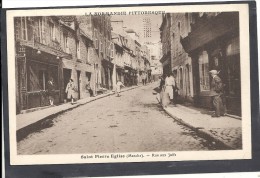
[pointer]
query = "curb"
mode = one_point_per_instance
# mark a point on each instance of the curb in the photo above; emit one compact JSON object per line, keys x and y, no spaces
{"x":201,"y":131}
{"x":46,"y":121}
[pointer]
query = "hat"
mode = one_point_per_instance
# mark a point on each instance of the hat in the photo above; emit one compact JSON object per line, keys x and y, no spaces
{"x":214,"y":72}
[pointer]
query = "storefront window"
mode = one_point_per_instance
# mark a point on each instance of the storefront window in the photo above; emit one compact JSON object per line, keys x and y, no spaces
{"x":204,"y":71}
{"x":39,"y":74}
{"x":233,"y":67}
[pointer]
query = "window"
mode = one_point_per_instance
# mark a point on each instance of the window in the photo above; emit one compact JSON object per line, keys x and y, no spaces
{"x":178,"y":42}
{"x":96,"y":38}
{"x":89,"y":54}
{"x":52,"y":30}
{"x":204,"y":71}
{"x":78,"y":49}
{"x":233,"y":67}
{"x":187,"y":77}
{"x":40,"y":30}
{"x":43,"y":79}
{"x":66,"y":42}
{"x":101,"y":44}
{"x":112,"y":50}
{"x":174,"y":45}
{"x":108,"y":48}
{"x":24,"y":28}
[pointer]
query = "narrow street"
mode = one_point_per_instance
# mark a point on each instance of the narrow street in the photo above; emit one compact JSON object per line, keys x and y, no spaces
{"x":134,"y":122}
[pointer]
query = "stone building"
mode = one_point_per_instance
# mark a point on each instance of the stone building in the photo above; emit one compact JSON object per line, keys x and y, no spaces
{"x":128,"y":49}
{"x":180,"y":61}
{"x":104,"y":50}
{"x":166,"y":39}
{"x":213,"y":43}
{"x":49,"y":47}
{"x":118,"y":58}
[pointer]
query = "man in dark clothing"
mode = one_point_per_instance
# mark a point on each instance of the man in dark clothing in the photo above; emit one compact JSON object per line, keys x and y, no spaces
{"x":88,"y":88}
{"x":162,"y":82}
{"x":217,"y":93}
{"x":175,"y":90}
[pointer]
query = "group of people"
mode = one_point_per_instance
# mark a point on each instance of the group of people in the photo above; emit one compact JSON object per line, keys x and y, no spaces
{"x":169,"y":90}
{"x":70,"y":90}
{"x":169,"y":87}
{"x":144,"y":78}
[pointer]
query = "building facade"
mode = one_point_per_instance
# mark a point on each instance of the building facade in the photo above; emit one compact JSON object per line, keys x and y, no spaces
{"x":130,"y":52}
{"x":63,"y":48}
{"x":49,"y":47}
{"x":213,"y":44}
{"x":166,"y":38}
{"x":180,"y":61}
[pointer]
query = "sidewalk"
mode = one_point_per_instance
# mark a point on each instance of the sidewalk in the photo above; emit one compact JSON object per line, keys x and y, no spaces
{"x":27,"y":119}
{"x":224,"y":131}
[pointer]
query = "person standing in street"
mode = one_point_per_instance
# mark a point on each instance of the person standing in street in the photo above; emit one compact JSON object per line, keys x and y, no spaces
{"x":175,"y":89}
{"x":217,"y":92}
{"x":144,"y":78}
{"x":162,"y":82}
{"x":169,"y":85}
{"x":119,"y":84}
{"x":88,"y":88}
{"x":70,"y":90}
{"x":51,"y":90}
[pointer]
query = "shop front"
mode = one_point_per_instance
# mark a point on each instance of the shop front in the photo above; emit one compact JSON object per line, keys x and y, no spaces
{"x":130,"y":76}
{"x":215,"y":46}
{"x":34,"y":69}
{"x":120,"y":73}
{"x":107,"y":73}
{"x":82,"y":75}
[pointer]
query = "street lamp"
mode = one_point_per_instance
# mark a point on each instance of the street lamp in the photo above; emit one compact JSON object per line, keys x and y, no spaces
{"x":38,"y":52}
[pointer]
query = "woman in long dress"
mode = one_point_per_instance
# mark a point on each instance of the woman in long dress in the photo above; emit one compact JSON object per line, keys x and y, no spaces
{"x":70,"y":90}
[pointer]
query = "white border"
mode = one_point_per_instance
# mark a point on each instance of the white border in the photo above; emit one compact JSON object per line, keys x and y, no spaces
{"x":245,"y":153}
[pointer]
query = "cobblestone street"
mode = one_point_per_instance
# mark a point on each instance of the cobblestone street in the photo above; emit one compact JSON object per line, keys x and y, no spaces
{"x":133,"y":122}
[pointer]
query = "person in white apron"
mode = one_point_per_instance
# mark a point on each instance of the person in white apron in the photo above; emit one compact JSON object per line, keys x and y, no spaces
{"x":169,"y":85}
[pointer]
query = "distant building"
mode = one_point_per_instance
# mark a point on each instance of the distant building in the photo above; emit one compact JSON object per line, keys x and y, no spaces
{"x":147,"y":27}
{"x":156,"y":68}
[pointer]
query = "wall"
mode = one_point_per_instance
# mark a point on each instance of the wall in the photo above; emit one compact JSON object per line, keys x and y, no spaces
{"x":180,"y":61}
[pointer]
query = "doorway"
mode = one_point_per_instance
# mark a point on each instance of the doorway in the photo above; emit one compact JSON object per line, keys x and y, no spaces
{"x":66,"y":78}
{"x":88,"y":76}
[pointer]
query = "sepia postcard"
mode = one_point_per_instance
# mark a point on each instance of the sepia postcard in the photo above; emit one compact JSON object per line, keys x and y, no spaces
{"x":129,"y":84}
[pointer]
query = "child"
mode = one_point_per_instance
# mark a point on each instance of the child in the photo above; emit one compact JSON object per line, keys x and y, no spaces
{"x":118,"y":87}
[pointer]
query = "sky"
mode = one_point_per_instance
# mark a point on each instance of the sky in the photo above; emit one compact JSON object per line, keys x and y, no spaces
{"x":135,"y":22}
